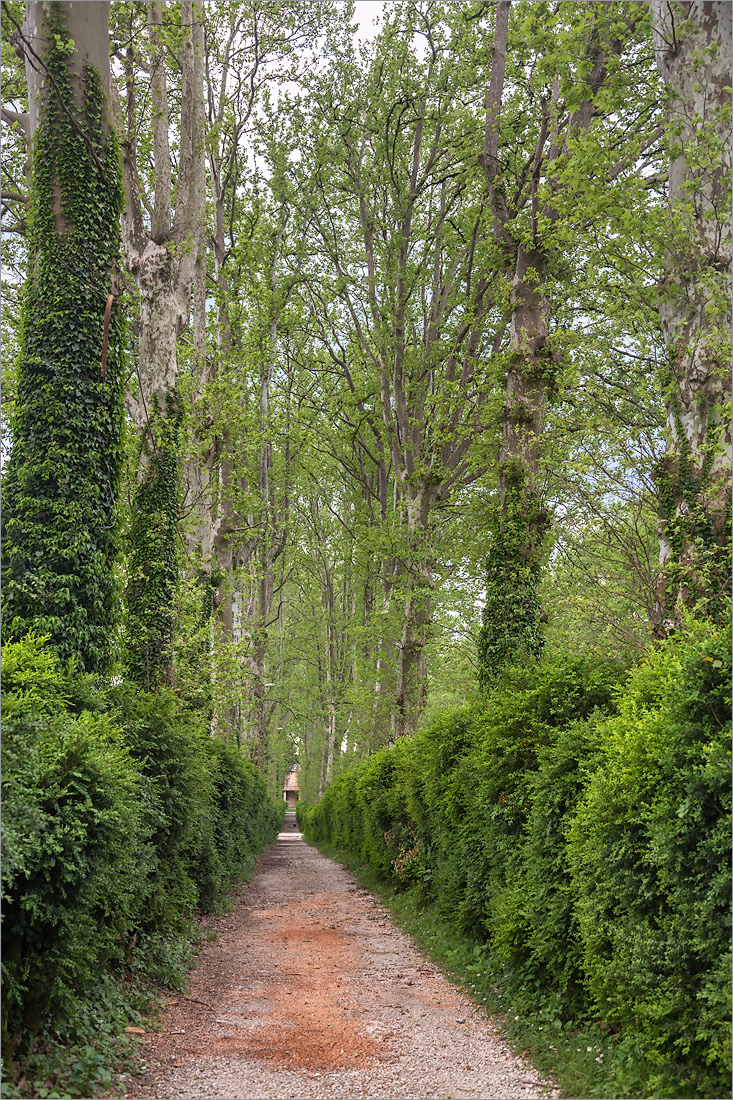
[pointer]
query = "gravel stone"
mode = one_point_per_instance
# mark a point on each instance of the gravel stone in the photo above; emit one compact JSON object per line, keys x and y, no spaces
{"x":309,"y":992}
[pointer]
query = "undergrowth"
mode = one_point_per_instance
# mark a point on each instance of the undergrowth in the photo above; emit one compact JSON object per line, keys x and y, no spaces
{"x":94,"y":1050}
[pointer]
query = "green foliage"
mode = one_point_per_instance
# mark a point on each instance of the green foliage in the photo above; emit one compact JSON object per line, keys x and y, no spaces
{"x":74,"y":858}
{"x":246,"y":820}
{"x":511,"y":628}
{"x":175,"y":799}
{"x":153,"y":556}
{"x":121,"y":815}
{"x":32,"y":677}
{"x":650,"y":856}
{"x":80,"y":1060}
{"x":60,"y":490}
{"x":575,"y":833}
{"x":552,"y":954}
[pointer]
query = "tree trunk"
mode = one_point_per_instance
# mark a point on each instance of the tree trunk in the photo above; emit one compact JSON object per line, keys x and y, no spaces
{"x":513,"y":613}
{"x":511,"y":618}
{"x":87,"y":26}
{"x":60,"y":487}
{"x":417,"y":615}
{"x":163,"y":262}
{"x":694,"y":56}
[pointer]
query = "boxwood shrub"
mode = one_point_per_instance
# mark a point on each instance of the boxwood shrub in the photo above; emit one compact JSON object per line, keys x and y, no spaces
{"x":120,"y":817}
{"x":576,"y":830}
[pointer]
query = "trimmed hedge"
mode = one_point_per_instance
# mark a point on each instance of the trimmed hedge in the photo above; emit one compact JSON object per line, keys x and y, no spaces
{"x":649,"y":851}
{"x":120,"y":817}
{"x":577,"y":830}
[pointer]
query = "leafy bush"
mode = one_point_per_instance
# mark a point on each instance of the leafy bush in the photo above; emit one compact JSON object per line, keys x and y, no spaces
{"x":576,"y":831}
{"x":74,"y":846}
{"x":472,"y":796}
{"x":552,"y":952}
{"x":120,"y":816}
{"x":177,"y":794}
{"x":243,"y":820}
{"x":33,"y":679}
{"x":650,"y":854}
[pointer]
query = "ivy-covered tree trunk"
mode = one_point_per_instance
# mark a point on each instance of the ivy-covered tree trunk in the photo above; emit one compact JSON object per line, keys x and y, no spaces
{"x":511,"y":620}
{"x":163,"y":261}
{"x":60,"y":490}
{"x":513,"y":612}
{"x":694,"y":55}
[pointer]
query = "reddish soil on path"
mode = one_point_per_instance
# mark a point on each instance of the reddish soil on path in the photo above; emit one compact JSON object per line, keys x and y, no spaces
{"x":310,"y":992}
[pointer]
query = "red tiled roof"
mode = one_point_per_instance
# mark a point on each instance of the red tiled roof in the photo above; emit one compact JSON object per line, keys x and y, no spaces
{"x":291,"y":782}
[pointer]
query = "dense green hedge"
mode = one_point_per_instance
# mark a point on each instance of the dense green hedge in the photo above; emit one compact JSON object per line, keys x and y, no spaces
{"x":577,"y":829}
{"x":120,"y":816}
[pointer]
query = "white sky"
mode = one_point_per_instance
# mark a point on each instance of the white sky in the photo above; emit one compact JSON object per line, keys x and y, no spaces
{"x":365,"y":12}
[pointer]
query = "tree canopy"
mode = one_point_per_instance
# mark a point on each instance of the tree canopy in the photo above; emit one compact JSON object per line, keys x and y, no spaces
{"x":425,"y":355}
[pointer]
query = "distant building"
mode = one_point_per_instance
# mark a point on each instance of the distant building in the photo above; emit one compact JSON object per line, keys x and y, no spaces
{"x":290,"y":789}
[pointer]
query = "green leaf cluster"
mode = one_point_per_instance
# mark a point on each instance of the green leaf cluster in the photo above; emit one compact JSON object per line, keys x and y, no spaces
{"x":60,"y":490}
{"x":121,"y":815}
{"x":575,"y":830}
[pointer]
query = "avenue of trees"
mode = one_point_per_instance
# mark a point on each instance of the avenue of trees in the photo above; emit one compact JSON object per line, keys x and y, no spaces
{"x":346,"y":381}
{"x":401,"y":330}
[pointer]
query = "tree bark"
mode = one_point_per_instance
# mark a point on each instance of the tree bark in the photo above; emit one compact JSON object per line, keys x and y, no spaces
{"x":513,"y":613}
{"x":416,"y":616}
{"x":163,"y":262}
{"x":694,"y":55}
{"x":87,"y":24}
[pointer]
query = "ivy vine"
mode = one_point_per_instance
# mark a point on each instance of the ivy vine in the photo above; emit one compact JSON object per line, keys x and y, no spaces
{"x":60,"y":491}
{"x":697,"y":573}
{"x":511,"y":624}
{"x":153,"y":561}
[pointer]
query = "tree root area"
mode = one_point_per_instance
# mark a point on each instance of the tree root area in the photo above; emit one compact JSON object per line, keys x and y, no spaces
{"x":306,"y":990}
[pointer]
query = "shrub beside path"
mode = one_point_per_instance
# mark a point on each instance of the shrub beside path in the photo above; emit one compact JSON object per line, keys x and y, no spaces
{"x":309,"y":991}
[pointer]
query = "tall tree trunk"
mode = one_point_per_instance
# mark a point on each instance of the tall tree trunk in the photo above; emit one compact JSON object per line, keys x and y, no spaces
{"x":271,"y":539}
{"x":416,"y":615}
{"x":511,"y":618}
{"x":163,"y":262}
{"x":513,"y":613}
{"x":694,"y":56}
{"x":60,"y":487}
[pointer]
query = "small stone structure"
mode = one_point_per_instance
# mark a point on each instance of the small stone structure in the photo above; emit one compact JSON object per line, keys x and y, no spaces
{"x":290,"y":788}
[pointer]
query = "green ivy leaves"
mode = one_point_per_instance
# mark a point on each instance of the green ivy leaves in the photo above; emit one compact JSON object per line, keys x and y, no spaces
{"x":59,"y":500}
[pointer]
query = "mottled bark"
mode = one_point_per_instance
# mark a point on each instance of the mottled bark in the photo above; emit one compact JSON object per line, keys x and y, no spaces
{"x":416,"y":614}
{"x":87,"y":25}
{"x":164,"y":263}
{"x":694,"y":55}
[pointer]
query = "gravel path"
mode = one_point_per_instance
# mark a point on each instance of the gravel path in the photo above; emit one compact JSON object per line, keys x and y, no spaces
{"x":310,"y":992}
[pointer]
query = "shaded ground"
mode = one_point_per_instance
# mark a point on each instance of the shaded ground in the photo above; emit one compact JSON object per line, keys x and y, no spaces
{"x":310,"y":992}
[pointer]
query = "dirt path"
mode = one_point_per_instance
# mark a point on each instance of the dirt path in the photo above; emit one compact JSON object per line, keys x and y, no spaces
{"x":310,"y":992}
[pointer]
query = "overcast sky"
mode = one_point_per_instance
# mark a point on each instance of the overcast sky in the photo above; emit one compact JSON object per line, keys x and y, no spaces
{"x":366,"y":11}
